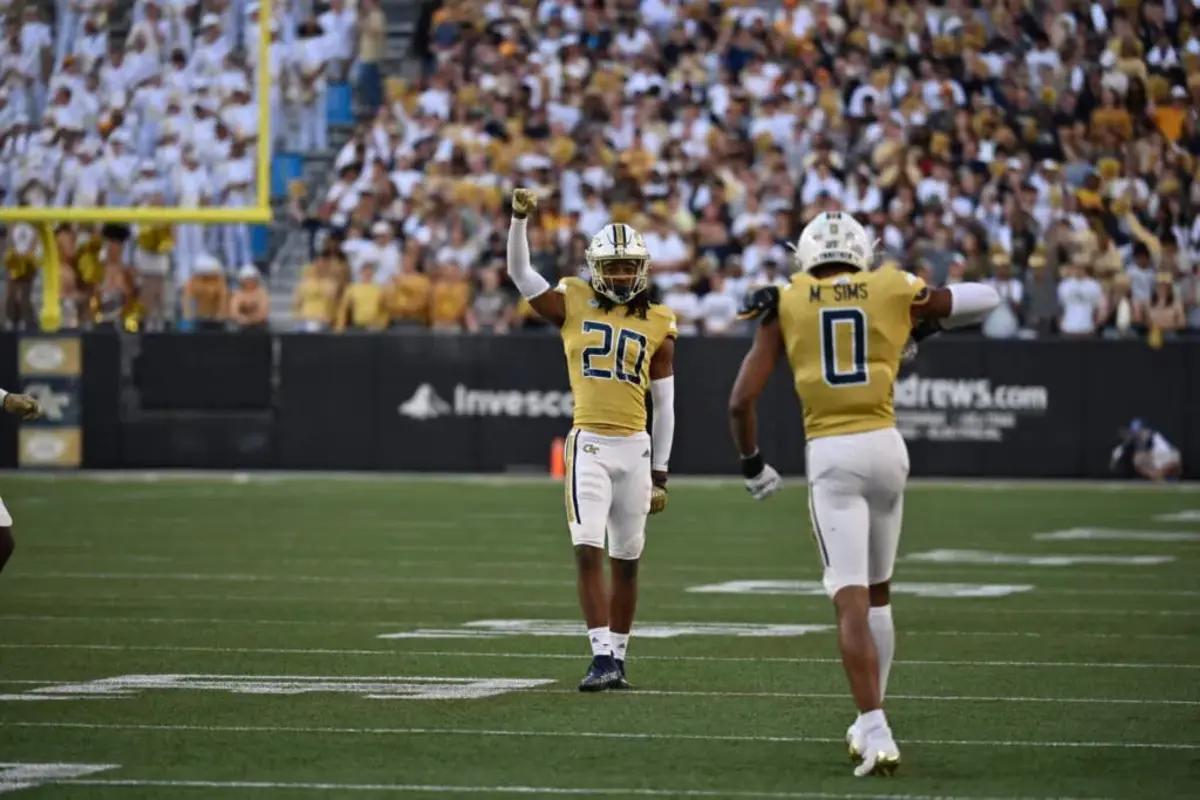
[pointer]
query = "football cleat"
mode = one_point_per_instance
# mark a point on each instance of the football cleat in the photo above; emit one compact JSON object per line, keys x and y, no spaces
{"x":621,"y":682}
{"x":602,"y":674}
{"x":880,"y":755}
{"x":854,"y":742}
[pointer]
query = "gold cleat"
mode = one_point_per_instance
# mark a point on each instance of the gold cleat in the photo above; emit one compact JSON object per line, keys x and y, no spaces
{"x":886,"y":765}
{"x":854,"y":745}
{"x":883,"y":763}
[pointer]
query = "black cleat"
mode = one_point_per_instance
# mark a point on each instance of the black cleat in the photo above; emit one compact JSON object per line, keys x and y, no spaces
{"x":602,"y":674}
{"x":621,"y":682}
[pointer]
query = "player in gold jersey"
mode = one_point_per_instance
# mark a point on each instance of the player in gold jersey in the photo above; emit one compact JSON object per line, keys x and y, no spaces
{"x":23,"y":406}
{"x":843,"y":328}
{"x":618,"y":346}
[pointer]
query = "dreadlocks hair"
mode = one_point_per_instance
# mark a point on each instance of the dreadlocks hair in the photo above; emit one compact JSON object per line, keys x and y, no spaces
{"x":638,"y":305}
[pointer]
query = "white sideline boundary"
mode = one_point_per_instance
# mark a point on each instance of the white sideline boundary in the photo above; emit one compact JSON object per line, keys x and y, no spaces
{"x":537,"y":478}
{"x":158,"y":648}
{"x":618,"y":735}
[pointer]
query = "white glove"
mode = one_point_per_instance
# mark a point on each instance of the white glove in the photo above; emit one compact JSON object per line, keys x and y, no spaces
{"x":765,"y":483}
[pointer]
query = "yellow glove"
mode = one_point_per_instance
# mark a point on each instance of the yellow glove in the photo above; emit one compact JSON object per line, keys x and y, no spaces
{"x":22,"y":405}
{"x":658,"y":494}
{"x":524,"y":201}
{"x":658,"y":499}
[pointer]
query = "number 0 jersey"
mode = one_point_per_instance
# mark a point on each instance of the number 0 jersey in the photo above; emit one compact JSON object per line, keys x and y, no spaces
{"x":843,"y":336}
{"x":608,"y":359}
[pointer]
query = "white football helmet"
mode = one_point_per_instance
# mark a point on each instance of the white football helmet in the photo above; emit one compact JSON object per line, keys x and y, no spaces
{"x":833,"y":237}
{"x":618,"y":242}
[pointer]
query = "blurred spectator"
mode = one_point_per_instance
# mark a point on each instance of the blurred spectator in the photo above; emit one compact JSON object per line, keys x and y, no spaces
{"x":1163,"y":313}
{"x":307,"y":87}
{"x":492,"y":307}
{"x":680,"y":298}
{"x":249,"y":304}
{"x":152,"y":264}
{"x":316,"y":298}
{"x":339,"y":25}
{"x":115,"y":296}
{"x":371,"y":43}
{"x":1121,"y":309}
{"x":22,"y":257}
{"x":387,"y":251}
{"x":408,"y":298}
{"x":1080,"y":299}
{"x":718,"y":307}
{"x":1041,"y":296}
{"x":1004,"y":321}
{"x":362,"y":307}
{"x":205,"y":295}
{"x":450,"y":299}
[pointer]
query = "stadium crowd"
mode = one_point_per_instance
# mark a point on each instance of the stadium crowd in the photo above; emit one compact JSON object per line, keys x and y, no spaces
{"x":164,"y":113}
{"x":1050,"y":148}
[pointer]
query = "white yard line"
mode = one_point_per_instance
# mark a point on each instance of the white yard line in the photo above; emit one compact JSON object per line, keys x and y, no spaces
{"x":249,"y":578}
{"x":924,"y":698}
{"x":426,"y":788}
{"x":406,"y":624}
{"x":576,"y":734}
{"x":576,"y":656}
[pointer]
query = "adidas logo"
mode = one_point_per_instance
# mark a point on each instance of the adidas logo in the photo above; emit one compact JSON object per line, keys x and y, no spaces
{"x":646,"y":454}
{"x":425,"y":404}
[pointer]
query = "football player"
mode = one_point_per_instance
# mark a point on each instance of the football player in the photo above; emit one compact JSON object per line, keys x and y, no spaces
{"x":24,"y":407}
{"x":618,"y":345}
{"x":843,"y":328}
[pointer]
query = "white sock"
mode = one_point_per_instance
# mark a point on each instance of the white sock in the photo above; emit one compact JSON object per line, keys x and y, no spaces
{"x":620,"y":643}
{"x":883,"y":631}
{"x":601,"y":641}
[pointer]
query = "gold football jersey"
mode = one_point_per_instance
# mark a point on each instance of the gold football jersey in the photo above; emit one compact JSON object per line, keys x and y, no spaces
{"x":608,"y":359}
{"x":843,"y":336}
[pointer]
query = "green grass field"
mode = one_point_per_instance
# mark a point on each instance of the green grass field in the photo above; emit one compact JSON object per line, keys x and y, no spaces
{"x":1083,"y":681}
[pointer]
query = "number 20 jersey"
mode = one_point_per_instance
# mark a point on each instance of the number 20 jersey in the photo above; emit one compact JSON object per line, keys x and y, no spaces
{"x":608,"y":359}
{"x":843,"y":336}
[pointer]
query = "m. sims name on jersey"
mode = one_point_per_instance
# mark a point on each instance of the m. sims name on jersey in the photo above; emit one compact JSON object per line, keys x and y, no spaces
{"x":841,"y":292}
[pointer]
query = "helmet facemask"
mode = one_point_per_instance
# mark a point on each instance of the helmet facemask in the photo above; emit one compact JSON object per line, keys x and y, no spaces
{"x":619,"y":263}
{"x":620,"y":279}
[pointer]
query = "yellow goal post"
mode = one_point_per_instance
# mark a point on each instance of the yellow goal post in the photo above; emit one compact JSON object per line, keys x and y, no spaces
{"x":46,"y":217}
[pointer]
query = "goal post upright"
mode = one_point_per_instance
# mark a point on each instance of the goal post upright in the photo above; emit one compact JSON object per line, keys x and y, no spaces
{"x":45,"y":218}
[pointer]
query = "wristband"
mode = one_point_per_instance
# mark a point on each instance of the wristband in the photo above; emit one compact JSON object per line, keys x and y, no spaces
{"x":752,"y":466}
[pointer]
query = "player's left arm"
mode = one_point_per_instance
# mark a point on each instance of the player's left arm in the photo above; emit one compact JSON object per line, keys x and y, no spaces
{"x":662,"y":433}
{"x":761,"y":479}
{"x":955,"y":306}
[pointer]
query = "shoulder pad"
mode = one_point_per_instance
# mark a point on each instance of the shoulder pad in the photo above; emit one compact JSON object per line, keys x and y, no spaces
{"x":761,"y":303}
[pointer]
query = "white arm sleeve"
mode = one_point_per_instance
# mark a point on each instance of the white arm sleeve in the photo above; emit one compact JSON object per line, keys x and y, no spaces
{"x":969,"y":304}
{"x":3,"y":394}
{"x":662,"y":433}
{"x":528,"y":282}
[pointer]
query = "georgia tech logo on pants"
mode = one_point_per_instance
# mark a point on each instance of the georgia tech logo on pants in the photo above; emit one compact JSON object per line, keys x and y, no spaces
{"x":591,"y":449}
{"x":426,"y":403}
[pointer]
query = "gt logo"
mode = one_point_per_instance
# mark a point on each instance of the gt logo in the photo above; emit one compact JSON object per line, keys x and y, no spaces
{"x":591,"y":449}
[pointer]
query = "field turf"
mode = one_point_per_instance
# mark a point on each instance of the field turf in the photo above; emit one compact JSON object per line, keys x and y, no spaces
{"x":1087,"y":684}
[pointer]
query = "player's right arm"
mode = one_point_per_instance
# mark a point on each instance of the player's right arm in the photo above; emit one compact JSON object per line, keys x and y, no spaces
{"x":550,"y":306}
{"x":761,"y":479}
